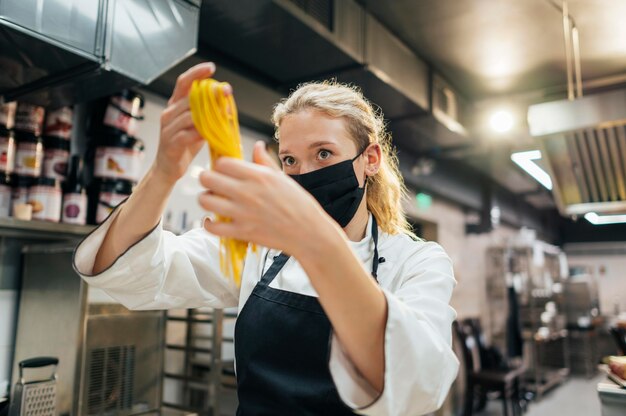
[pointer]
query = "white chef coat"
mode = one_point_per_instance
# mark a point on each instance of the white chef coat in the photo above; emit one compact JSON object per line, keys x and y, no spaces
{"x":165,"y":271}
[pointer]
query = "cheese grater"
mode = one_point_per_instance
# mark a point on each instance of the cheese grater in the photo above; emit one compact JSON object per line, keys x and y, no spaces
{"x":36,"y":397}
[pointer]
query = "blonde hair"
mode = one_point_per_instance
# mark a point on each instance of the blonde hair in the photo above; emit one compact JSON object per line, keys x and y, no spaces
{"x":386,"y":188}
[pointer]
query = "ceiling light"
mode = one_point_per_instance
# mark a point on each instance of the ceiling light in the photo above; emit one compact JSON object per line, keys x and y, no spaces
{"x":501,"y":121}
{"x":596,"y":219}
{"x":526,"y":161}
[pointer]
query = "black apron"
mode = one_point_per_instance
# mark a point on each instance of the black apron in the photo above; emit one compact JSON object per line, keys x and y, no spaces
{"x":282,"y":350}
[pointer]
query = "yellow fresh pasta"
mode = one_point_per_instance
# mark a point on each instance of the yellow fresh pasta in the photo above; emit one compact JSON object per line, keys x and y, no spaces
{"x":214,"y":115}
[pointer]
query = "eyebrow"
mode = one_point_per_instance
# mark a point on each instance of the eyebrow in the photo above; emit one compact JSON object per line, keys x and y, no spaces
{"x":311,"y":146}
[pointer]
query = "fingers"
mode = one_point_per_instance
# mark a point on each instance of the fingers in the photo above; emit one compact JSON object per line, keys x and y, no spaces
{"x":184,"y":121}
{"x":238,"y":168}
{"x":261,"y":156}
{"x":184,"y":81}
{"x":174,"y":110}
{"x":223,"y":229}
{"x":190,"y":137}
{"x":221,"y":184}
{"x":217,"y":204}
{"x":185,"y":138}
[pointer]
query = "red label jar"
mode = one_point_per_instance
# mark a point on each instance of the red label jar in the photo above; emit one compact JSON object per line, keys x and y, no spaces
{"x":29,"y":118}
{"x":118,"y":156}
{"x":59,"y":123}
{"x":112,"y":193}
{"x":123,"y":111}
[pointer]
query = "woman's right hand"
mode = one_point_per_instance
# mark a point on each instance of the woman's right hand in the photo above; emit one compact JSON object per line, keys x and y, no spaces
{"x":179,"y":141}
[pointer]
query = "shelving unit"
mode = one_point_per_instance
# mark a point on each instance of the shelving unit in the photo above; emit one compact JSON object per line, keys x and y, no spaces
{"x":549,"y":360}
{"x":536,"y":270}
{"x":204,"y":374}
{"x":43,"y":230}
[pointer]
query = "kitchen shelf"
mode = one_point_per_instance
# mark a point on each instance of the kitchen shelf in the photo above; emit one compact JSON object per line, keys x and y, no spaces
{"x":41,"y":230}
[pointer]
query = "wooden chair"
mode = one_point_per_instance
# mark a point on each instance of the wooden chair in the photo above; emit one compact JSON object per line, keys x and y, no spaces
{"x":479,"y":380}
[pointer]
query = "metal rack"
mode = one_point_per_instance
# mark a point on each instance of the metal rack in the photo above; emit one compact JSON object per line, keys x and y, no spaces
{"x":205,"y":375}
{"x":535,"y":270}
{"x":583,"y":351}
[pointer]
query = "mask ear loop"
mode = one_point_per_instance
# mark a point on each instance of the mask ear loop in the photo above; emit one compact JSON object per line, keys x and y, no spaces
{"x":360,"y":153}
{"x":355,"y":158}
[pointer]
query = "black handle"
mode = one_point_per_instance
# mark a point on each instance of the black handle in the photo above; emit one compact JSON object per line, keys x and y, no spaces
{"x":38,"y":362}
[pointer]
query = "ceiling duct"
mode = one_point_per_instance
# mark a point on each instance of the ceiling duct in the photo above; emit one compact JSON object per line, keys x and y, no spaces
{"x":315,"y":40}
{"x":391,"y":75}
{"x":583,"y":139}
{"x":584,"y":142}
{"x":55,"y":52}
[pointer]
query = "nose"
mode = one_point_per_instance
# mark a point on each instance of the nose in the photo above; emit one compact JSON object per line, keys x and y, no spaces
{"x":306,"y":167}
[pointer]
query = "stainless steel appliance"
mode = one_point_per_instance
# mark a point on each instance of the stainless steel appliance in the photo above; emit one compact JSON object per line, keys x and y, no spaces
{"x":581,"y":300}
{"x":57,"y":52}
{"x":110,"y":359}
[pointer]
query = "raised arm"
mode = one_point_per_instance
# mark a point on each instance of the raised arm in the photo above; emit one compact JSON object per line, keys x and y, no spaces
{"x":179,"y":143}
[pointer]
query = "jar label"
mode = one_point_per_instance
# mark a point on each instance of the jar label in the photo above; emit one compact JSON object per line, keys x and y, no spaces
{"x":59,"y":123}
{"x":118,"y":115}
{"x":118,"y":163}
{"x":28,"y":158}
{"x":7,"y":154}
{"x":46,"y":203}
{"x":74,"y":209}
{"x":107,"y":203}
{"x":55,"y":163}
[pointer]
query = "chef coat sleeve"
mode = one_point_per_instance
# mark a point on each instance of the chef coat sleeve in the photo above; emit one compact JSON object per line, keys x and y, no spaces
{"x":161,"y":271}
{"x":420,"y":364}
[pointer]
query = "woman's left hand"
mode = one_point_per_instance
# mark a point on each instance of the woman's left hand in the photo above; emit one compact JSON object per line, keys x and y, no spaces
{"x":265,"y":206}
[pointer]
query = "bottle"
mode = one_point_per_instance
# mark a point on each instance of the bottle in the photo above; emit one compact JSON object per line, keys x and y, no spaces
{"x":74,"y":195}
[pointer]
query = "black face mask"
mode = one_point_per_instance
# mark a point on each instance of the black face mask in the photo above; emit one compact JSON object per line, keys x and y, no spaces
{"x":336,"y":188}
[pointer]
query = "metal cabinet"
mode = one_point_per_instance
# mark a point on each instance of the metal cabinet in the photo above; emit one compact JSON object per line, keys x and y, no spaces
{"x":72,"y":22}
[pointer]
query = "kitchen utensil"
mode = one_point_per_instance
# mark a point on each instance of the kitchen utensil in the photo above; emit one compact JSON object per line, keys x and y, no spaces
{"x":35,"y":397}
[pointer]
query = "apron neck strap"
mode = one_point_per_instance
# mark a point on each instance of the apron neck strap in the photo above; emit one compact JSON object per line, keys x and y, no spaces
{"x":375,"y":238}
{"x":281,"y":259}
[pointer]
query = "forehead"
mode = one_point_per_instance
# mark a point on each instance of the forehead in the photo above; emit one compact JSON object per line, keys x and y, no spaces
{"x":307,"y":126}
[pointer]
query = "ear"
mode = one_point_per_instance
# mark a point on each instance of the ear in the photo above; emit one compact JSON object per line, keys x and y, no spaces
{"x":373,"y":158}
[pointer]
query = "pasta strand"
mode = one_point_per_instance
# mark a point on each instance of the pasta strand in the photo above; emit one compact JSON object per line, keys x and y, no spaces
{"x":214,"y":115}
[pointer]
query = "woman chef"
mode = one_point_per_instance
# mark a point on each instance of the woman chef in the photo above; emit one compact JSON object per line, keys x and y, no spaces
{"x":343,"y":312}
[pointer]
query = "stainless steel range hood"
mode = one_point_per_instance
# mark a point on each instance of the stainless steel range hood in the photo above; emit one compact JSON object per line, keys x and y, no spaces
{"x":584,"y":142}
{"x":55,"y":52}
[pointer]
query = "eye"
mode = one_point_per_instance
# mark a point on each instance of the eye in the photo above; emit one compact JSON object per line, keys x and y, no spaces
{"x":324,"y":154}
{"x":289,"y":161}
